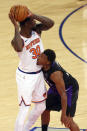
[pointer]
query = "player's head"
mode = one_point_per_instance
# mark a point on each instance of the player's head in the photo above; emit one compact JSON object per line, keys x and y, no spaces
{"x":46,"y":58}
{"x":28,"y":22}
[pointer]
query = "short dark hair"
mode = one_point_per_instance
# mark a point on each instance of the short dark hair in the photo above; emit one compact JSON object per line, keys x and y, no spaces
{"x":50,"y":55}
{"x":24,"y":21}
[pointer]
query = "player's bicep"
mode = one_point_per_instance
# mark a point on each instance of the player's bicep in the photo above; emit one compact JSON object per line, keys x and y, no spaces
{"x":39,"y":28}
{"x":57,"y":78}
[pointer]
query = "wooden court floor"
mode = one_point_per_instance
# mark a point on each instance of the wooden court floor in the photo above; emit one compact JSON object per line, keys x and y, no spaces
{"x":74,"y":34}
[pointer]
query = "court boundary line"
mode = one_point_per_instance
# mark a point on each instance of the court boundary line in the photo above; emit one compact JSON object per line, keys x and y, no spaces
{"x":54,"y":128}
{"x":61,"y":34}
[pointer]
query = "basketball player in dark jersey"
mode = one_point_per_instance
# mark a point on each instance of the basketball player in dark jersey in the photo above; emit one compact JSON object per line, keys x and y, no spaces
{"x":62,"y":94}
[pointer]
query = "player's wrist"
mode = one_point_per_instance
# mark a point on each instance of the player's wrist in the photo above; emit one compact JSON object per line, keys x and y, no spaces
{"x":63,"y":113}
{"x":30,"y":14}
{"x":16,"y":27}
{"x":34,"y":16}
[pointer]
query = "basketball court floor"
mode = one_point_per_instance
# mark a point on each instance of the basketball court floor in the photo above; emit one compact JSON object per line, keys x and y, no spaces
{"x":68,"y":38}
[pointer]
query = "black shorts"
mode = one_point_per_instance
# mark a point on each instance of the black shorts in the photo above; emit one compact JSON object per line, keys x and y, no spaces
{"x":53,"y":102}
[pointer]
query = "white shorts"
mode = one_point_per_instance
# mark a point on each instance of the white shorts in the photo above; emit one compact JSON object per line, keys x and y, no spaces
{"x":31,"y":87}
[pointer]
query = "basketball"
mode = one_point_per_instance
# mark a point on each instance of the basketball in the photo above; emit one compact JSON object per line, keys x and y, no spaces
{"x":20,"y":12}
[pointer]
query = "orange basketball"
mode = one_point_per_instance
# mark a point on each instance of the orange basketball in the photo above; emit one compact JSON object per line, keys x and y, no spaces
{"x":20,"y":12}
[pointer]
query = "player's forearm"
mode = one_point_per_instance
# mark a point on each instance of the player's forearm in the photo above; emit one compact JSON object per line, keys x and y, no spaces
{"x":62,"y":92}
{"x":44,"y":20}
{"x":64,"y":103}
{"x":17,"y":41}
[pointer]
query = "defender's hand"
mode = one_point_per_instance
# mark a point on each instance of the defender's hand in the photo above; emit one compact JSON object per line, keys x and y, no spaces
{"x":65,"y":120}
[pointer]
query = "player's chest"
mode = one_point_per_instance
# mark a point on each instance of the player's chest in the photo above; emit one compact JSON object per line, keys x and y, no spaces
{"x":32,"y":42}
{"x":33,"y":46}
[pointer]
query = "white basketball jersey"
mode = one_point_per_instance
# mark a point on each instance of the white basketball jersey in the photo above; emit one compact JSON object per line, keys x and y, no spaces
{"x":28,"y":57}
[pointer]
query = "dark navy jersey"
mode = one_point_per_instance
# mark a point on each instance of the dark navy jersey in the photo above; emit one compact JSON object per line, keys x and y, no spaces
{"x":68,"y":79}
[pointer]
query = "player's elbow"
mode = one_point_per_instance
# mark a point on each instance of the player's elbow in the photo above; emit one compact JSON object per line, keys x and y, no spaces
{"x":63,"y":96}
{"x":16,"y":47}
{"x":51,"y":24}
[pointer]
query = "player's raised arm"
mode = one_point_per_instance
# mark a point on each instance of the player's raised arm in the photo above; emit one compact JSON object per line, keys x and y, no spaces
{"x":45,"y":23}
{"x":17,"y":42}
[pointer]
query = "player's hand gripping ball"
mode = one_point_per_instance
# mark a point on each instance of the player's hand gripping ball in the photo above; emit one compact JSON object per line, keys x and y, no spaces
{"x":20,"y":12}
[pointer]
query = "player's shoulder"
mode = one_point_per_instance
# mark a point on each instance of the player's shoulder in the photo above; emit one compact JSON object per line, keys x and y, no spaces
{"x":55,"y":65}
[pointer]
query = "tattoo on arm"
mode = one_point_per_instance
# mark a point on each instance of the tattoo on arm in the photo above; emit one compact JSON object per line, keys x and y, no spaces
{"x":17,"y":42}
{"x":45,"y":24}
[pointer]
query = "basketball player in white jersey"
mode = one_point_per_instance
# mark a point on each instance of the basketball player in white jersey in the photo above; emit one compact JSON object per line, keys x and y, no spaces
{"x":30,"y":81}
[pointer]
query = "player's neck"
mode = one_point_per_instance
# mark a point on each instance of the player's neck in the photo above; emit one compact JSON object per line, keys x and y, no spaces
{"x":26,"y":32}
{"x":46,"y":67}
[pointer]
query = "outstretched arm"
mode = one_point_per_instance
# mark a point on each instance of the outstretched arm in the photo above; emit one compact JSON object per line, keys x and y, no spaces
{"x":45,"y":23}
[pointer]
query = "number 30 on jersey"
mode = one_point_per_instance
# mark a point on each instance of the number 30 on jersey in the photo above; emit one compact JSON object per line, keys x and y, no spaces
{"x":35,"y":52}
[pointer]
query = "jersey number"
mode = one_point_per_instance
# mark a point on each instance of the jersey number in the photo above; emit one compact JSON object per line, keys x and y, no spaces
{"x":35,"y":52}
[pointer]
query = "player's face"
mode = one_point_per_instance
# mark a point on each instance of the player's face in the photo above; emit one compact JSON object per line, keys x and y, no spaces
{"x":42,"y":60}
{"x":31,"y":23}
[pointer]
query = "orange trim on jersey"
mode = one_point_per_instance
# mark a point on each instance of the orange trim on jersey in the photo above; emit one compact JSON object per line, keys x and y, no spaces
{"x":39,"y":101}
{"x":24,"y":102}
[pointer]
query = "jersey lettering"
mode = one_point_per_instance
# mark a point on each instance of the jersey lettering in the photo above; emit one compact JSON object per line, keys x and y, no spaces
{"x":37,"y":40}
